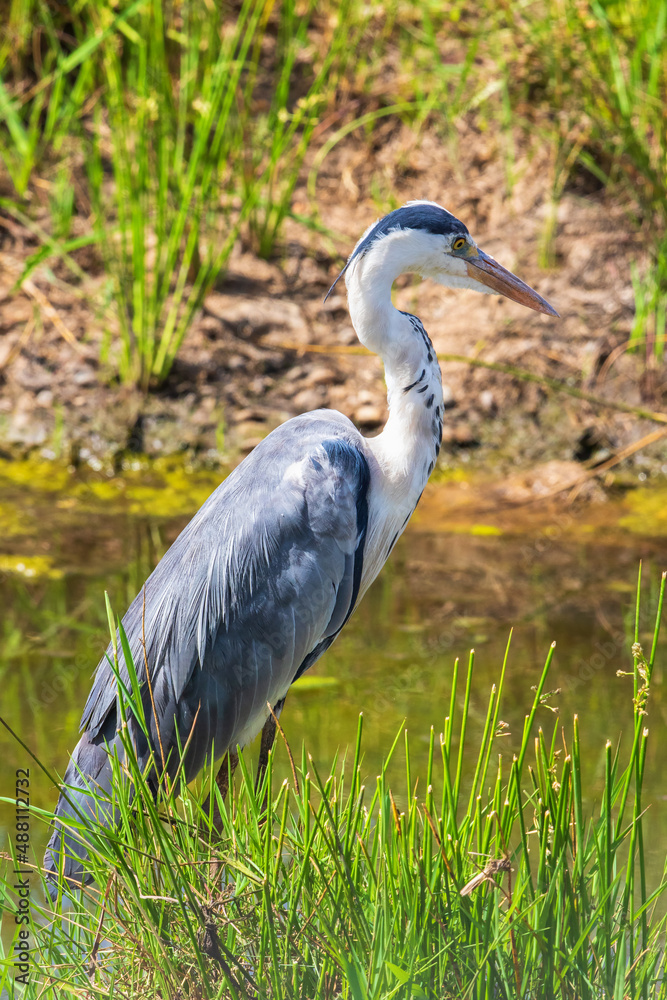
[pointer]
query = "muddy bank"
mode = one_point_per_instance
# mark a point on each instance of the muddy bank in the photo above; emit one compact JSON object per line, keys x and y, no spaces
{"x":245,"y":366}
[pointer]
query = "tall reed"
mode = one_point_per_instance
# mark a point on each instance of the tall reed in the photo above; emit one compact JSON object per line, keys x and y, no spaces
{"x":487,"y":876}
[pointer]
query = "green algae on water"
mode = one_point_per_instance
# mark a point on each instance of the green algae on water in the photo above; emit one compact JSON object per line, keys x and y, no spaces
{"x":648,"y":511}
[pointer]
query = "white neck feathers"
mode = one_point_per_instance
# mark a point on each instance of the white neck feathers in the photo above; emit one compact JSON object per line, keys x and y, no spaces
{"x":407,"y":448}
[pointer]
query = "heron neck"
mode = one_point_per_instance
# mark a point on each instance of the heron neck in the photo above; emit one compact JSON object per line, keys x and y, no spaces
{"x":407,"y":448}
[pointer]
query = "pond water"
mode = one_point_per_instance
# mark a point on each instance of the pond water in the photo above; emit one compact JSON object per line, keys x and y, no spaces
{"x":464,"y":573}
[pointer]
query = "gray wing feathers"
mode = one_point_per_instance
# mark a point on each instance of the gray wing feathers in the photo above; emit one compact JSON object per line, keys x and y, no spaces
{"x":265,"y":571}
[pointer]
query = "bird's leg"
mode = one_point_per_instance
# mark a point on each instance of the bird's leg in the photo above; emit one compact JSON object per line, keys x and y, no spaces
{"x":267,"y":741}
{"x":230,"y":761}
{"x":226,"y":771}
{"x":222,"y":779}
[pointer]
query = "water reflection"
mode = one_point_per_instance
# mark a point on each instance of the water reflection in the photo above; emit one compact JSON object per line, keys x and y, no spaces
{"x":452,"y":584}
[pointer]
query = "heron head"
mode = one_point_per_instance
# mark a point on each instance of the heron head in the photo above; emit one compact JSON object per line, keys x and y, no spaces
{"x":425,"y":238}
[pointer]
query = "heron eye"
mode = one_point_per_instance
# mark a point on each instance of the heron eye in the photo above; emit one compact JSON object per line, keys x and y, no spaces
{"x":458,"y":244}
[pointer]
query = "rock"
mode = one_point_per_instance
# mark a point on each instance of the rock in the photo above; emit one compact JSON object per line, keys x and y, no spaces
{"x":202,"y":416}
{"x":84,"y":376}
{"x":321,"y":375}
{"x":44,"y":398}
{"x":460,"y":435}
{"x":368,"y":415}
{"x":31,"y":375}
{"x":244,"y":265}
{"x":448,"y":396}
{"x":347,"y":336}
{"x":212,"y":327}
{"x":487,"y":402}
{"x":296,"y":373}
{"x":254,"y":316}
{"x":363,"y":397}
{"x":335,"y":302}
{"x":338,"y":398}
{"x":549,"y":479}
{"x":249,"y":414}
{"x":17,"y":310}
{"x":255,"y":359}
{"x":579,"y":255}
{"x":260,"y":385}
{"x":308,"y":399}
{"x":249,"y":444}
{"x":25,"y":428}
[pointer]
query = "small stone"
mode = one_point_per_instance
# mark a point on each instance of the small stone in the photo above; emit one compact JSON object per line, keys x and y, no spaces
{"x":321,"y":375}
{"x":579,"y":255}
{"x":460,"y":435}
{"x":368,"y":415}
{"x":25,"y":430}
{"x":211,"y":326}
{"x":448,"y":396}
{"x":84,"y":376}
{"x":363,"y":397}
{"x":201,"y":417}
{"x":19,"y":310}
{"x":296,"y":373}
{"x":250,"y":413}
{"x":334,"y":302}
{"x":44,"y":398}
{"x":564,"y":210}
{"x":249,"y":443}
{"x":464,"y":436}
{"x":260,"y":385}
{"x":258,"y":315}
{"x":246,"y":431}
{"x":487,"y":401}
{"x":347,"y":336}
{"x":307,"y":399}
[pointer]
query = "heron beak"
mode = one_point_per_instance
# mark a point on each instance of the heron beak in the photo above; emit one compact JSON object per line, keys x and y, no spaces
{"x":489,"y":272}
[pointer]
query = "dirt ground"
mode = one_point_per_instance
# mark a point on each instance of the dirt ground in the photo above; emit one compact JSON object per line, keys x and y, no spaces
{"x":244,"y":366}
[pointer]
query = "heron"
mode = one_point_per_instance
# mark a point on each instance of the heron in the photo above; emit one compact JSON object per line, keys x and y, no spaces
{"x":265,"y":576}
